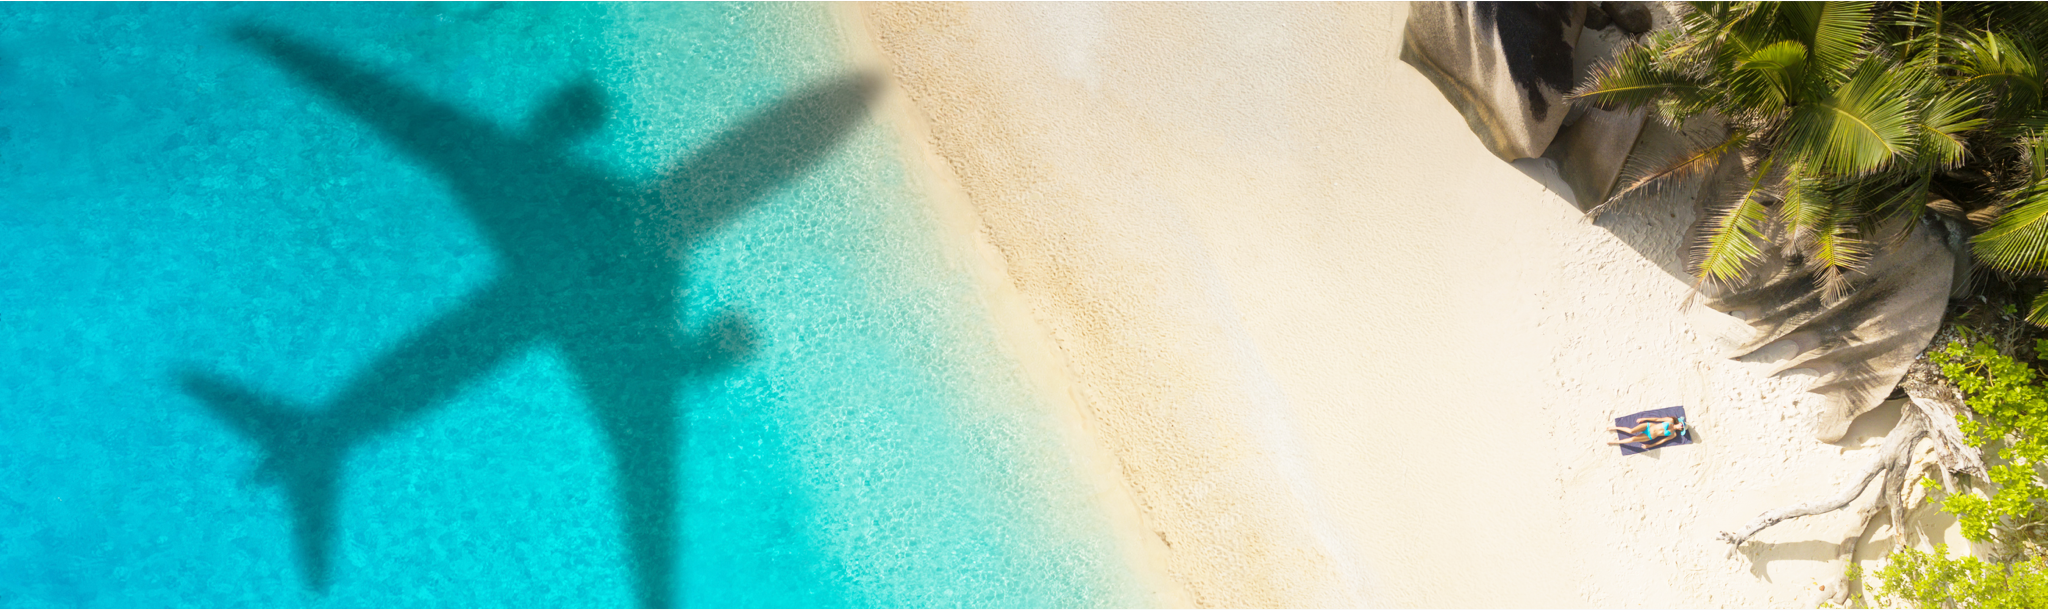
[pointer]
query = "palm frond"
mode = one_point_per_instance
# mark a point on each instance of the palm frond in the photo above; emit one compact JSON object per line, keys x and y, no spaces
{"x":1864,"y":126}
{"x":1943,"y":123}
{"x":1824,"y":220}
{"x":2026,"y":20}
{"x":1642,"y":175}
{"x":2038,"y":313}
{"x":1923,"y":28}
{"x":1768,"y":80}
{"x":2034,"y":156}
{"x":2018,"y":241}
{"x":1718,"y":31}
{"x":1901,"y":197}
{"x":1834,"y":250}
{"x":2004,"y":67}
{"x":1634,"y":78}
{"x":1706,"y":21}
{"x":1804,"y":204}
{"x":1730,"y":244}
{"x":1834,"y":31}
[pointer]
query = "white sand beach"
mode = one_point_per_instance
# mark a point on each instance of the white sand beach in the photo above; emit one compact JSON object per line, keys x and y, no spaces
{"x":1325,"y":349}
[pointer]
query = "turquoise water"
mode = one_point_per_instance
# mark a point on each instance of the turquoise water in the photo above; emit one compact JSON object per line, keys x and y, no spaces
{"x":496,"y":305}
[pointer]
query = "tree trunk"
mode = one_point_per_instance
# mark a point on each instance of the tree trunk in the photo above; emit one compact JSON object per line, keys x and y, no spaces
{"x":1934,"y":396}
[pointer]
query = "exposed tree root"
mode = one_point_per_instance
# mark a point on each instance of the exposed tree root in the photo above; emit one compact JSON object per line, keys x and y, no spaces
{"x":1893,"y":457}
{"x":1930,"y":414}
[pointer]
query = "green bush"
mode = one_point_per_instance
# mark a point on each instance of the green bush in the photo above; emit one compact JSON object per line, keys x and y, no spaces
{"x":1932,"y":580}
{"x":2011,"y":428}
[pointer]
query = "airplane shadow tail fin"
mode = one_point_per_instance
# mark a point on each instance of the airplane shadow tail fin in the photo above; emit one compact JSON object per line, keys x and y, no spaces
{"x":301,"y":453}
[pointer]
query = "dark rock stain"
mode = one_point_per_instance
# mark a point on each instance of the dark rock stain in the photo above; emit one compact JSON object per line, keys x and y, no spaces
{"x":1532,"y":40}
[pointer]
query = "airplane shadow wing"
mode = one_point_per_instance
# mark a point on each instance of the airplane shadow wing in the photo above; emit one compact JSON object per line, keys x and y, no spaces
{"x":433,"y":132}
{"x":629,"y":354}
{"x":769,"y":149}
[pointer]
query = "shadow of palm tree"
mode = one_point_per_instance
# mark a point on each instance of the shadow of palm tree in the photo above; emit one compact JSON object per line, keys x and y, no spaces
{"x":592,"y":263}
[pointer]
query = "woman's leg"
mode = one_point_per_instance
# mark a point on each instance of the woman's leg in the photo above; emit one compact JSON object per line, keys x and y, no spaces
{"x":1633,"y":439}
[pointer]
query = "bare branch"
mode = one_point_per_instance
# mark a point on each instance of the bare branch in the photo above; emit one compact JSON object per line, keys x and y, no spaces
{"x":1894,"y":455}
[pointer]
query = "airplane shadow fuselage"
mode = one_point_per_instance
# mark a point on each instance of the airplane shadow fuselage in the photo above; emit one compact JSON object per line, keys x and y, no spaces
{"x":591,"y":263}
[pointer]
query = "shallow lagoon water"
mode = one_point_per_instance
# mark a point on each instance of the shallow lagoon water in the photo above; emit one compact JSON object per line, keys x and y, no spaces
{"x":177,"y":203}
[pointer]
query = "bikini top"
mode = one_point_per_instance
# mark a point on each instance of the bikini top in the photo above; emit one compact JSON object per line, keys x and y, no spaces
{"x":1664,"y":429}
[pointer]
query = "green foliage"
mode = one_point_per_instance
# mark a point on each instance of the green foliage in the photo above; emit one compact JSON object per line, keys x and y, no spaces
{"x":1933,"y":580}
{"x":2011,"y":428}
{"x":1848,"y":120}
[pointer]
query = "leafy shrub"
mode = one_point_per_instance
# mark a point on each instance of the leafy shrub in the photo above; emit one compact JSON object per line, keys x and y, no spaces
{"x":2011,"y":429}
{"x":1932,"y":580}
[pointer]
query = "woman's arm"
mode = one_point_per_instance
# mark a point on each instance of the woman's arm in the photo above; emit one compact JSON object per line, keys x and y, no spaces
{"x":1667,"y":420}
{"x":1659,"y":442}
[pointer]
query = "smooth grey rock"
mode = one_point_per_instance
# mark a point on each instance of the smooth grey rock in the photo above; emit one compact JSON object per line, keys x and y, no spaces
{"x":1596,"y":144}
{"x":1860,"y":345}
{"x":1597,"y":19}
{"x":1504,"y":66}
{"x":1591,"y":152}
{"x":1631,"y":17}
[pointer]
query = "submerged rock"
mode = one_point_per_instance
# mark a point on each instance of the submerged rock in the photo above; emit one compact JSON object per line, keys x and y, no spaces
{"x":1504,"y":66}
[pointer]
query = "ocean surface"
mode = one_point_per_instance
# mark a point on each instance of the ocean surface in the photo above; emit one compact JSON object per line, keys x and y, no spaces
{"x":374,"y":305}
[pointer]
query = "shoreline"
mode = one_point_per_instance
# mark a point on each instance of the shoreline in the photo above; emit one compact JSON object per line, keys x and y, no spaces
{"x":1235,"y":516}
{"x":1337,"y":353}
{"x":1020,"y":333}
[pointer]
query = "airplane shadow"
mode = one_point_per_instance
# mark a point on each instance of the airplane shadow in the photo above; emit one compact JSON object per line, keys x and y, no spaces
{"x":592,"y":264}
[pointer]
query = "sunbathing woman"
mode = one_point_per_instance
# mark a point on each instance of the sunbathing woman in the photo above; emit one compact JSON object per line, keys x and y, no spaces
{"x":1659,"y":429}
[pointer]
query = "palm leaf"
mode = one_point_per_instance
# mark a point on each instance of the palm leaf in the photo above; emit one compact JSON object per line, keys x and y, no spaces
{"x":1730,"y":244}
{"x":2038,"y":313}
{"x":1943,"y":122}
{"x":1901,"y":197}
{"x":1804,"y":203}
{"x":1833,"y":248}
{"x":2018,"y":241}
{"x":1863,"y":127}
{"x":2024,"y":20}
{"x":1922,"y":24}
{"x":2003,"y":67}
{"x":1834,"y":31}
{"x":1707,"y":21}
{"x":1633,"y":79}
{"x":1711,"y":35}
{"x":1642,"y":175}
{"x":1766,"y":81}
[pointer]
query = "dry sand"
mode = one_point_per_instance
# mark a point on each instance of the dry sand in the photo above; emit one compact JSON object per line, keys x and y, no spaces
{"x":1332,"y":351}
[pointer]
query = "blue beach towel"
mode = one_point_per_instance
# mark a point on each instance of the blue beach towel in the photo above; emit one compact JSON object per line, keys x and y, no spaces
{"x":1629,"y":421}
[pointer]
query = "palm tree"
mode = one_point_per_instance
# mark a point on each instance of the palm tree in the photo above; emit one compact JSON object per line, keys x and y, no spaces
{"x":1847,"y":123}
{"x":1852,"y":121}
